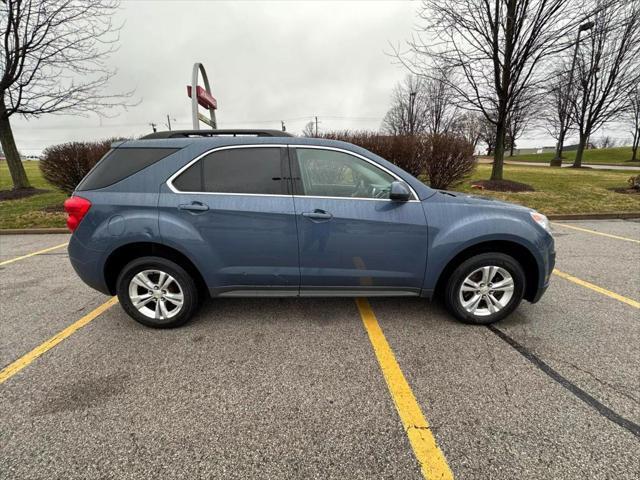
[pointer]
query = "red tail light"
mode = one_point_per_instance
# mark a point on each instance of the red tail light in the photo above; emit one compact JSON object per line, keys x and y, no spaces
{"x":76,"y":208}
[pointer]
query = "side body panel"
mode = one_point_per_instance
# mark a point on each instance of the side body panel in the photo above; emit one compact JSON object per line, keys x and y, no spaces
{"x":367,"y":245}
{"x":363,"y":245}
{"x":239,"y":243}
{"x":457,"y":223}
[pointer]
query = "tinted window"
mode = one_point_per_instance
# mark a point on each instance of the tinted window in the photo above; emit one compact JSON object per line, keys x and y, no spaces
{"x":121,"y":163}
{"x":328,"y":173}
{"x":190,"y":180}
{"x":237,"y":170}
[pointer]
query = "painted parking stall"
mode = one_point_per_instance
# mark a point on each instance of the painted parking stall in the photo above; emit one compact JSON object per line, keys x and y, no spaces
{"x":291,"y":388}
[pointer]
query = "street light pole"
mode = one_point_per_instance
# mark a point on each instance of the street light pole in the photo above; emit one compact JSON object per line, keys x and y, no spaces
{"x":564,"y":102}
{"x":412,"y":97}
{"x":168,"y":124}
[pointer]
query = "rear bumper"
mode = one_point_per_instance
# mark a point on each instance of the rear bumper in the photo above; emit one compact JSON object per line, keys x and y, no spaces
{"x":88,"y":265}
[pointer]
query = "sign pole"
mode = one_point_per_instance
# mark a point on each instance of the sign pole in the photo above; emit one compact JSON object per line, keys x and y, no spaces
{"x":195,"y":115}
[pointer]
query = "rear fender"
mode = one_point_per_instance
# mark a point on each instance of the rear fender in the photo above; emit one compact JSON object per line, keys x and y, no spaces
{"x":184,"y":237}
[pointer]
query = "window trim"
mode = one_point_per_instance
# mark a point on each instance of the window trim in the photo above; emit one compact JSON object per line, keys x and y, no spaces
{"x":169,"y":182}
{"x":414,"y":197}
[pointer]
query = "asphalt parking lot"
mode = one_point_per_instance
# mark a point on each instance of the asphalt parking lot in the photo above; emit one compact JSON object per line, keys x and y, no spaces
{"x":293,"y":388}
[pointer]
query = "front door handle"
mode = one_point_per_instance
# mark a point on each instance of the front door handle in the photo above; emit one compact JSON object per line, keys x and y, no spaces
{"x":318,"y":215}
{"x":194,"y":207}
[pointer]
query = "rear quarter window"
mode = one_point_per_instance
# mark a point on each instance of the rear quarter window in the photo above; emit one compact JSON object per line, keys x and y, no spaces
{"x":121,"y":163}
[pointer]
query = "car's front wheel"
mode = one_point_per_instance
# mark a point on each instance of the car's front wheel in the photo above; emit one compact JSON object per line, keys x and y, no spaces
{"x":157,"y":292}
{"x":485,"y":288}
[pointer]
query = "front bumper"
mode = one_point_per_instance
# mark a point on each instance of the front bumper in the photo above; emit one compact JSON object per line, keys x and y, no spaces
{"x":551,"y":262}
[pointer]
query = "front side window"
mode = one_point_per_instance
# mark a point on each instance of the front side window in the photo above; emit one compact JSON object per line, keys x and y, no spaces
{"x":237,"y":170}
{"x":328,"y":173}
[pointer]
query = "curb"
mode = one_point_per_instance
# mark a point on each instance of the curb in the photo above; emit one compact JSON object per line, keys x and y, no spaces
{"x":32,"y":231}
{"x":594,"y":216}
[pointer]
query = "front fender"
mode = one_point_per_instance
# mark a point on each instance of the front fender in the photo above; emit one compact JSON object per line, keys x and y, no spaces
{"x":457,"y":226}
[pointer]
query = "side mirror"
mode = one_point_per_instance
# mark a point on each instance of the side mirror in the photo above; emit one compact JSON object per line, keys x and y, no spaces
{"x":399,"y":192}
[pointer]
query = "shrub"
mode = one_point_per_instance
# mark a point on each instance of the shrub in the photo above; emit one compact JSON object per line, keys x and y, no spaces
{"x":65,"y":165}
{"x":403,"y":150}
{"x":449,"y":160}
{"x":446,"y":159}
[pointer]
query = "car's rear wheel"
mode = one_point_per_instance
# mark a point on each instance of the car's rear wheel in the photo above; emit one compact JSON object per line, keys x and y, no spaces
{"x":485,"y":288}
{"x":157,"y":292}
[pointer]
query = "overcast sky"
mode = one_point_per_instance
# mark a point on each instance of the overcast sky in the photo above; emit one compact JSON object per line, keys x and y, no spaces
{"x":267,"y":61}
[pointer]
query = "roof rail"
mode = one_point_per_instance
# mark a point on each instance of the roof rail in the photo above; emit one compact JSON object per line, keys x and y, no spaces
{"x":214,"y":133}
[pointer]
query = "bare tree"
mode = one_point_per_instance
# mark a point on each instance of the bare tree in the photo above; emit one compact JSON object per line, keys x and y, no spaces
{"x":488,"y":134}
{"x":53,"y":61}
{"x":520,"y":117}
{"x":408,"y":114}
{"x":608,"y":67}
{"x":496,"y":48}
{"x":422,"y":105}
{"x":606,"y":141}
{"x":633,"y":119}
{"x":555,"y":116}
{"x":439,"y":101}
{"x":309,"y":129}
{"x":469,"y":126}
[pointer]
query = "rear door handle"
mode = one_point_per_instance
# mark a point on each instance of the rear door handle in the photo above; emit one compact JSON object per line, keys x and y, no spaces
{"x":194,"y":207}
{"x":318,"y":215}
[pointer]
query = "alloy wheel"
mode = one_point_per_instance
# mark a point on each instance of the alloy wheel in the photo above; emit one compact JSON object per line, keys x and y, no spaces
{"x":486,"y":291}
{"x":156,"y":294}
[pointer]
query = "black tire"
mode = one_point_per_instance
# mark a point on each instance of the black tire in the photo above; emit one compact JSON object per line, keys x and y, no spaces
{"x":184,"y":285}
{"x":454,"y":284}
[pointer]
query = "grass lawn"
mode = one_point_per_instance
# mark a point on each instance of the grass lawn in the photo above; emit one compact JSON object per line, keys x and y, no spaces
{"x":557,"y":191}
{"x":29,"y":212}
{"x":562,"y":190}
{"x":605,"y":156}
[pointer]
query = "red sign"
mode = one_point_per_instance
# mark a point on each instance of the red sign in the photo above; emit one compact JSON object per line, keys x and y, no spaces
{"x":205,"y":99}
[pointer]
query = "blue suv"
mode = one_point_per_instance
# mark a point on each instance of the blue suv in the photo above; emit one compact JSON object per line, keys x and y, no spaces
{"x":175,"y":217}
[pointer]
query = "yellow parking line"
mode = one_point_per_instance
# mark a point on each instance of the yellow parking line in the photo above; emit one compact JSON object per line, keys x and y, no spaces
{"x":13,"y":368}
{"x":6,"y":262}
{"x":617,"y":237}
{"x":596,"y":288}
{"x":431,"y":459}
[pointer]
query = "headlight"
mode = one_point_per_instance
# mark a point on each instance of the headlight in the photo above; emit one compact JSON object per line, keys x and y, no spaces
{"x":541,"y":220}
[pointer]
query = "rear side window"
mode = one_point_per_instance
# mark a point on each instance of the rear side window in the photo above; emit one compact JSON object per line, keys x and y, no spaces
{"x":121,"y":163}
{"x":237,"y":170}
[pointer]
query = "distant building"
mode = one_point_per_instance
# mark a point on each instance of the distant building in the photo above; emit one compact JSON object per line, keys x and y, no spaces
{"x":548,"y":149}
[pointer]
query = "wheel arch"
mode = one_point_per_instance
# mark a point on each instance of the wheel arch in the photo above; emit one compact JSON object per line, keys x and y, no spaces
{"x":519,"y":252}
{"x":125,"y":253}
